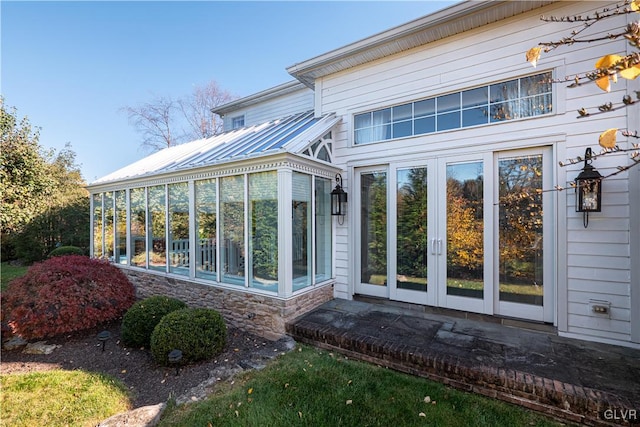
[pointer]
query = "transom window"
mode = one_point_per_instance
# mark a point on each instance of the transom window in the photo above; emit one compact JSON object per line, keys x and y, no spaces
{"x":513,"y":99}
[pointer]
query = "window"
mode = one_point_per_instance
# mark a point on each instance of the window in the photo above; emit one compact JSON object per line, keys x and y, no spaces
{"x":108,"y":225}
{"x":237,"y":122}
{"x":206,"y":223}
{"x":263,"y":220}
{"x":232,"y":229}
{"x":157,"y":228}
{"x":323,"y":229}
{"x":301,"y":230}
{"x":120,"y":220}
{"x":179,"y":228}
{"x":514,"y":99}
{"x":97,"y":225}
{"x":138,"y":231}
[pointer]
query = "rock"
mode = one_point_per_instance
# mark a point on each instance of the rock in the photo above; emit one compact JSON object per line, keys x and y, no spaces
{"x":15,"y":343}
{"x":146,"y":416}
{"x":40,"y":347}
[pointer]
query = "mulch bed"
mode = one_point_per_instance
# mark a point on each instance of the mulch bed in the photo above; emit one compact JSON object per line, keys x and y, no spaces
{"x":148,"y":382}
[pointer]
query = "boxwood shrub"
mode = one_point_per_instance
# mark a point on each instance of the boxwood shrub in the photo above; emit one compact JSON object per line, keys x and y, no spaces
{"x":66,"y":250}
{"x":66,"y":294}
{"x":200,"y":333}
{"x":143,"y":316}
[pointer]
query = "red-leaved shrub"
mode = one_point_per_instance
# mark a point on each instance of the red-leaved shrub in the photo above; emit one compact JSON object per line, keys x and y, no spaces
{"x":66,"y":294}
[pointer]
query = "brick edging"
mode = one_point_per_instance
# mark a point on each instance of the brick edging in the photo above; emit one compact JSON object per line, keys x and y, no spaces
{"x":555,"y":398}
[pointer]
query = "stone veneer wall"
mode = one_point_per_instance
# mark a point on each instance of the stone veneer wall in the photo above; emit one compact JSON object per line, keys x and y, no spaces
{"x":260,"y":314}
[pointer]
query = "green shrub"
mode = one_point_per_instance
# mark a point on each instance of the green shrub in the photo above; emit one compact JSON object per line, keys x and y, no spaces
{"x":143,"y":316}
{"x":66,"y":294}
{"x":200,"y":334}
{"x":66,"y":250}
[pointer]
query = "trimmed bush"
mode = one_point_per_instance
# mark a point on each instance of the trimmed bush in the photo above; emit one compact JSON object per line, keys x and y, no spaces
{"x":66,"y":294}
{"x":66,"y":250}
{"x":200,"y":333}
{"x":143,"y":316}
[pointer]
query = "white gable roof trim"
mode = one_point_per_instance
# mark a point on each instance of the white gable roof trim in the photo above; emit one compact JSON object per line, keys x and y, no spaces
{"x":453,"y":20}
{"x":287,"y":135}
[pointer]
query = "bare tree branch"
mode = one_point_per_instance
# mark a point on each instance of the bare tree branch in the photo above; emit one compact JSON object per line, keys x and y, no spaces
{"x":155,"y":121}
{"x":196,"y":109}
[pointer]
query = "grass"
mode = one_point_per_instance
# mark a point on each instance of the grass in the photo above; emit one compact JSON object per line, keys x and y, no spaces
{"x":9,"y":272}
{"x":60,"y":398}
{"x":313,"y":387}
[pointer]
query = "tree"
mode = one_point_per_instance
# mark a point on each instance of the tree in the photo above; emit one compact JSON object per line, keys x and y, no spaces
{"x":607,"y":69}
{"x":164,"y":121}
{"x":44,"y":202}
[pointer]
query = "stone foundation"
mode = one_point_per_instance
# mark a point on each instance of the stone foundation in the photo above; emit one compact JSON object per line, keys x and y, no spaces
{"x":263,"y":315}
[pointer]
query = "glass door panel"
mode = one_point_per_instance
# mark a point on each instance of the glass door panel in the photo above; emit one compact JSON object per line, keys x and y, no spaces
{"x":464,"y":229}
{"x":411,"y":229}
{"x":373,"y":233}
{"x":520,"y":250}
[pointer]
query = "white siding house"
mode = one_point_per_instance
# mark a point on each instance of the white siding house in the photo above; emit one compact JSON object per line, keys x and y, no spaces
{"x":450,"y":144}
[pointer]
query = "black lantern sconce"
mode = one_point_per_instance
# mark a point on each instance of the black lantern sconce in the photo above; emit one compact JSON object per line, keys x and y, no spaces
{"x":338,"y":199}
{"x":588,"y":189}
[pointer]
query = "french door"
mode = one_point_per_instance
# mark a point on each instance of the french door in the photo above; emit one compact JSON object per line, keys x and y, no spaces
{"x":463,"y":232}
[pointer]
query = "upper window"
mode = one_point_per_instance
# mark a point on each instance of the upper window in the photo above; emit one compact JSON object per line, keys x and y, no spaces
{"x":237,"y":122}
{"x":514,"y":99}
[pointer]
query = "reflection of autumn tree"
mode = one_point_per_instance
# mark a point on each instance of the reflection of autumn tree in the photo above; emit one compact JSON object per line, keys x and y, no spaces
{"x":374,"y":225}
{"x":520,"y":217}
{"x":464,"y":228}
{"x":412,"y":224}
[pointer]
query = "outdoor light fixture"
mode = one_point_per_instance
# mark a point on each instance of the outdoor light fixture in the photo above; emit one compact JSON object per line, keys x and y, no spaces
{"x":588,"y":189}
{"x":338,"y":199}
{"x":175,"y":356}
{"x":103,"y":337}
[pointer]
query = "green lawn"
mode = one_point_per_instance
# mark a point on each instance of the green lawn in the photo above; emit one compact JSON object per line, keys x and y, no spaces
{"x":9,"y":272}
{"x":313,"y":387}
{"x":60,"y":398}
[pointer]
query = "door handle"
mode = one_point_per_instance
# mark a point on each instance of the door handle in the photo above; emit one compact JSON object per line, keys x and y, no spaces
{"x":436,"y":246}
{"x":439,"y":246}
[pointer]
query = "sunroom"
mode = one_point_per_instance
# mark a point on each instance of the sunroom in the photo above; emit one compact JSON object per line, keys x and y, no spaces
{"x":247,"y":210}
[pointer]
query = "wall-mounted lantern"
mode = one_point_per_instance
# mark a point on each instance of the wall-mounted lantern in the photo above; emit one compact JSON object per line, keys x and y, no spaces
{"x":338,"y":199}
{"x":588,"y":189}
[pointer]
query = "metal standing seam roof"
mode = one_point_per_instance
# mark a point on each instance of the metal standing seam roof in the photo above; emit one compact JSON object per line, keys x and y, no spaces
{"x":278,"y":135}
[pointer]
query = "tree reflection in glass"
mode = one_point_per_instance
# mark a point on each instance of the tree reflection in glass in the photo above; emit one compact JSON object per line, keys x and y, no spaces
{"x":232,"y":229}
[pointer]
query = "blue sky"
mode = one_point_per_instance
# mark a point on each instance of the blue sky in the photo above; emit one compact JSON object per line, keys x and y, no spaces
{"x":70,"y":67}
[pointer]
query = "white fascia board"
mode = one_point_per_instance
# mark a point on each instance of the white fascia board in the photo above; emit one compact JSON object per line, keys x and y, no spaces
{"x":312,"y":134}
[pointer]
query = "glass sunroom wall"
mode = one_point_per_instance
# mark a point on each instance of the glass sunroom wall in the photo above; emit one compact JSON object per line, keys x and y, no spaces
{"x":108,"y":225}
{"x":179,"y":228}
{"x":120,"y":220}
{"x":301,"y":230}
{"x":138,"y":227}
{"x":97,"y":225}
{"x":232,"y":227}
{"x":263,"y":238}
{"x":157,"y":245}
{"x":323,"y":228}
{"x":206,"y":228}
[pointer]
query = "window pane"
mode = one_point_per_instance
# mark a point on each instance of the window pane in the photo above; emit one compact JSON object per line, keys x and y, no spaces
{"x":465,"y":225}
{"x":475,"y":97}
{"x":475,"y":116}
{"x":424,"y":108}
{"x":373,"y":261}
{"x":157,"y":225}
{"x":504,"y":111}
{"x":402,"y":129}
{"x":535,"y":85}
{"x":108,"y":225}
{"x":263,"y":203}
{"x":382,"y":117}
{"x":97,"y":225}
{"x":179,"y":228}
{"x":323,"y":229}
{"x":206,"y":223}
{"x":536,"y":105}
{"x":520,"y":263}
{"x":138,"y":227}
{"x":363,"y":136}
{"x":412,"y":229}
{"x":232,"y":229}
{"x":301,"y":243}
{"x":449,"y":121}
{"x":503,"y":91}
{"x":362,"y":121}
{"x":402,"y":112}
{"x":449,"y":102}
{"x":120,"y":246}
{"x":425,"y":125}
{"x":381,"y":133}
